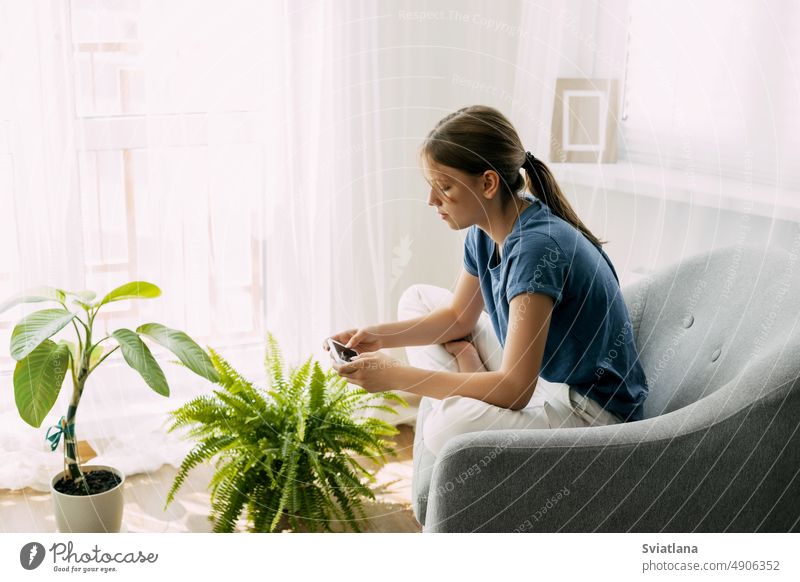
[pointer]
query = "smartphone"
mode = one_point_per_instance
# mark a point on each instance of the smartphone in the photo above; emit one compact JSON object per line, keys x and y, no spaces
{"x":340,"y":352}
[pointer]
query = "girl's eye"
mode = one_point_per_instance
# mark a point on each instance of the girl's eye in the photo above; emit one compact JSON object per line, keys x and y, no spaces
{"x":445,"y":188}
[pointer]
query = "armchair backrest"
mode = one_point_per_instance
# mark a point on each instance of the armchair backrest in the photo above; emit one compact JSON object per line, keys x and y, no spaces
{"x":699,"y":323}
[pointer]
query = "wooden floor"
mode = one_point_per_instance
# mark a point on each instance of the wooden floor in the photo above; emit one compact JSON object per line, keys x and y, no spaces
{"x":30,"y":511}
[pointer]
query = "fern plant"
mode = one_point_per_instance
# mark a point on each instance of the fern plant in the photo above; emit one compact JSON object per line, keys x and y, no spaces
{"x":285,"y":454}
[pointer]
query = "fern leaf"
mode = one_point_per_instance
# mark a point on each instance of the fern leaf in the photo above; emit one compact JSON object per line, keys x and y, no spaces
{"x":200,"y":453}
{"x":288,"y":473}
{"x":273,"y":363}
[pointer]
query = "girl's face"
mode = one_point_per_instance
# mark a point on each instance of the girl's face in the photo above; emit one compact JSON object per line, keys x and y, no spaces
{"x":459,"y":198}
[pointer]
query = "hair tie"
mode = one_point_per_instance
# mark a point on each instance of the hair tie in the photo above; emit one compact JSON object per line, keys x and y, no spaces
{"x":539,"y":188}
{"x":529,"y":162}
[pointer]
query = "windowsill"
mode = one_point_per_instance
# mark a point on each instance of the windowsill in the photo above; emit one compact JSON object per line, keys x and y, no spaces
{"x":681,"y":186}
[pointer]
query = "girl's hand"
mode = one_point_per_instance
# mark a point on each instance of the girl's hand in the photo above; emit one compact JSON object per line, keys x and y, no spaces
{"x":361,"y":339}
{"x":373,"y":371}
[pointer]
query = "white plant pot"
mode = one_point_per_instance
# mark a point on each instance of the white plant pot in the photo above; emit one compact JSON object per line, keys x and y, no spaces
{"x":101,"y":512}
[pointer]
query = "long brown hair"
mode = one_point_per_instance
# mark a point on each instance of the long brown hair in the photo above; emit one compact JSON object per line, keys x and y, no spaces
{"x":479,"y":138}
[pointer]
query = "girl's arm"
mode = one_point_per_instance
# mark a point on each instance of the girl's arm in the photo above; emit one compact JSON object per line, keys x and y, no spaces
{"x":510,"y":387}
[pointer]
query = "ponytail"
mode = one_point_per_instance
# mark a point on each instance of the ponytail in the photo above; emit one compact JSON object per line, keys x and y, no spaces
{"x":542,"y":184}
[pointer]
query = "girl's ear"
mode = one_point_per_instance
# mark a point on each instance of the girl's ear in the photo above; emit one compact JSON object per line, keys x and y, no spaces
{"x":491,"y":184}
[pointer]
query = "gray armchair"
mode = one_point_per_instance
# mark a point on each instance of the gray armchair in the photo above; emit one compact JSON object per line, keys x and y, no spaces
{"x":717,"y":451}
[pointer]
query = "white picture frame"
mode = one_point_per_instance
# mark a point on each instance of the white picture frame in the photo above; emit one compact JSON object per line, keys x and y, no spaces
{"x":584,"y":121}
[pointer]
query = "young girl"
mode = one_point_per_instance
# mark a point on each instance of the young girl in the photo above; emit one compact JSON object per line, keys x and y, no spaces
{"x":562,"y":352}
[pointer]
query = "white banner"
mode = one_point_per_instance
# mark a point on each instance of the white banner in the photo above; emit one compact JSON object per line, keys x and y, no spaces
{"x":399,"y":557}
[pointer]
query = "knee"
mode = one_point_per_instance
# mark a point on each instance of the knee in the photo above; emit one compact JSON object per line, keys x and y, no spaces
{"x":455,"y":415}
{"x":408,"y":299}
{"x":418,"y":299}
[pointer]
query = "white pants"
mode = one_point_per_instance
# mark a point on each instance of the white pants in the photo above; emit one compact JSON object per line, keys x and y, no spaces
{"x":552,"y":405}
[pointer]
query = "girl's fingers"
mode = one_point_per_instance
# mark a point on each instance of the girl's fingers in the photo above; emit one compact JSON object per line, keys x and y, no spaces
{"x":350,"y":367}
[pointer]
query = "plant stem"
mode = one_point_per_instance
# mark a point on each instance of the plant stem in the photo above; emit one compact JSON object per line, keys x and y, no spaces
{"x":80,"y":340}
{"x":82,"y":324}
{"x":70,"y":439}
{"x":100,"y":361}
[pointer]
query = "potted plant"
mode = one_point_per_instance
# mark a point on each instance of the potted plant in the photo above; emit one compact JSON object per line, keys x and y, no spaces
{"x":86,"y":498}
{"x":286,"y":454}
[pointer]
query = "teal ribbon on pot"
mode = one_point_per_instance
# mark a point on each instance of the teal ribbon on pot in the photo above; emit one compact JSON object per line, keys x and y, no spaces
{"x":61,"y":428}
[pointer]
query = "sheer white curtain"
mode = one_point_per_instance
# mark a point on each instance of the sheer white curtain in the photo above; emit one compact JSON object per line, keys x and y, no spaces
{"x":40,"y":215}
{"x":222,"y":150}
{"x":324,"y":240}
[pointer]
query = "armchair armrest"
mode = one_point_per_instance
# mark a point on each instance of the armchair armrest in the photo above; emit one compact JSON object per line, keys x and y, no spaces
{"x":725,"y":463}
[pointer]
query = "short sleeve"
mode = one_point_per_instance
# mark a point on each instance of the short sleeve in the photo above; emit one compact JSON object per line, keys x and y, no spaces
{"x":537,"y":265}
{"x":470,"y":263}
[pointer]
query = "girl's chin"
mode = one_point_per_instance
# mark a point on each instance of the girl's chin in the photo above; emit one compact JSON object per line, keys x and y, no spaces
{"x":450,"y":221}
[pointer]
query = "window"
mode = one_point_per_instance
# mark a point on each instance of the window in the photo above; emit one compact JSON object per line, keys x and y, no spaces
{"x":714,"y":87}
{"x":152,"y":131}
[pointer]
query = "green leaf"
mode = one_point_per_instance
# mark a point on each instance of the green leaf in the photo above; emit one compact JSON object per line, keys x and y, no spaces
{"x":37,"y":381}
{"x":82,"y":298}
{"x":139,"y":357}
{"x":85,"y":295}
{"x":33,"y":296}
{"x":180,"y":344}
{"x":35,"y":328}
{"x":132,"y":290}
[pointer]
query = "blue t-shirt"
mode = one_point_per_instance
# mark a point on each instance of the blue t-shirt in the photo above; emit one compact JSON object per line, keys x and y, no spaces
{"x":590,"y":343}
